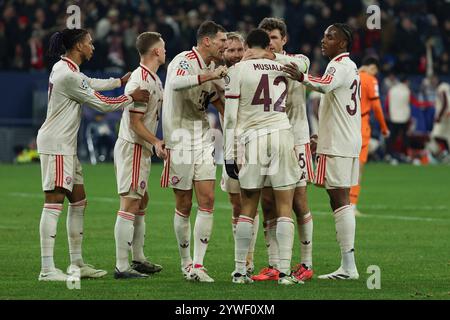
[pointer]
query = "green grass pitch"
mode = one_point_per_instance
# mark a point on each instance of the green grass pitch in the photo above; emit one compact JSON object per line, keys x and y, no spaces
{"x":405,"y":231}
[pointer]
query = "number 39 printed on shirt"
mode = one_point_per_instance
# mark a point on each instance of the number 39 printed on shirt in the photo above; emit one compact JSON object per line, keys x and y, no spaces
{"x":356,"y":97}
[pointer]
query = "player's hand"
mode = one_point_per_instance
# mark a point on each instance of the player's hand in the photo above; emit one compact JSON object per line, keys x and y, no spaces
{"x":124,"y":79}
{"x":232,"y":169}
{"x":313,"y":143}
{"x":293,"y":71}
{"x":160,"y":150}
{"x":386,"y":134}
{"x":140,"y":95}
{"x":220,"y":72}
{"x":250,"y":54}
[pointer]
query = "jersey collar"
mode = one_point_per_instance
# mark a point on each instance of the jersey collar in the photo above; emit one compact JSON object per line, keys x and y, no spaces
{"x":339,"y":57}
{"x":148,"y":70}
{"x":72,"y":65}
{"x":199,"y":58}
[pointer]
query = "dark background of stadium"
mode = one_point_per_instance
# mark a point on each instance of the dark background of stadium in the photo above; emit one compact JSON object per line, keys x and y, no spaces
{"x":26,"y":26}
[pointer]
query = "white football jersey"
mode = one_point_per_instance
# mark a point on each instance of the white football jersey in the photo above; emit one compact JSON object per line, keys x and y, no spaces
{"x":296,"y":98}
{"x":441,"y":127}
{"x":442,"y":113}
{"x":147,"y":80}
{"x":68,"y":89}
{"x":340,"y":108}
{"x":261,"y":89}
{"x":184,"y":117}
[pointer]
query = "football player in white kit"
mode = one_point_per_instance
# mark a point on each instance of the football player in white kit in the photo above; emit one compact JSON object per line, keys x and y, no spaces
{"x":339,"y":137}
{"x":256,"y":119}
{"x":296,"y":110}
{"x":441,"y":129}
{"x":190,"y":164}
{"x":132,"y":159}
{"x":57,"y":145}
{"x":233,"y":54}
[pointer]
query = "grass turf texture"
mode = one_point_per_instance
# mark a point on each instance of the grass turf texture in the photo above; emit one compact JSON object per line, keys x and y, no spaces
{"x":405,"y":231}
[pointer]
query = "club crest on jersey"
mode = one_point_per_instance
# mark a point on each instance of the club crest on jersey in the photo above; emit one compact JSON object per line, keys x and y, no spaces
{"x":227,"y":79}
{"x":175,"y":180}
{"x":68,"y":180}
{"x":142,"y":184}
{"x":84,"y":85}
{"x":184,"y":65}
{"x":331,"y":71}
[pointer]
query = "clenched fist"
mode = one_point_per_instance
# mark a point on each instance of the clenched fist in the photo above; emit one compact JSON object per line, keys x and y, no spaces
{"x":220,"y":72}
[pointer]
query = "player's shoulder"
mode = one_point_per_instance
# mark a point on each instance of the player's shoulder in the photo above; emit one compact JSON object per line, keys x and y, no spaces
{"x":299,"y":56}
{"x":444,"y":86}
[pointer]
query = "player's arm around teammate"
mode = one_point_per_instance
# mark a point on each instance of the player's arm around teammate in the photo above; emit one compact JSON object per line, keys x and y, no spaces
{"x":190,"y":165}
{"x":339,"y":137}
{"x":57,"y":145}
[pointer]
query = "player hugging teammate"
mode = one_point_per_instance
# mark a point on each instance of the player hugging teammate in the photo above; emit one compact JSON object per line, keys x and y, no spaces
{"x":268,"y":151}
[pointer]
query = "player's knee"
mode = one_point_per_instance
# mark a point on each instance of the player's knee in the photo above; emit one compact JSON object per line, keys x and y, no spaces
{"x":55,"y":196}
{"x":185,"y":206}
{"x":207,"y":201}
{"x":131,"y":205}
{"x":300,"y":208}
{"x":267,"y":204}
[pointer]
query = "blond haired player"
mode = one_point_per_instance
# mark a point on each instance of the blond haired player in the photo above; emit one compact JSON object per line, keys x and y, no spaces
{"x":61,"y":171}
{"x":255,"y":113}
{"x":233,"y":54}
{"x":339,"y":141}
{"x":132,"y":157}
{"x":190,"y":165}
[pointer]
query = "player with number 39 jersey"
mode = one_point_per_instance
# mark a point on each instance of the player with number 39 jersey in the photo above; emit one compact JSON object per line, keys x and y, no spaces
{"x":340,"y":108}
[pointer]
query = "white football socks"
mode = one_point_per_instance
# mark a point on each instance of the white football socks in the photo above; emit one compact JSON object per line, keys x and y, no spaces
{"x":285,"y":237}
{"x":47,"y":230}
{"x":123,"y":233}
{"x":202,"y":234}
{"x":137,"y":247}
{"x":182,"y":226}
{"x":244,"y":230}
{"x":74,"y":224}
{"x":305,"y":230}
{"x":345,"y":233}
{"x":251,"y":249}
{"x":270,"y":234}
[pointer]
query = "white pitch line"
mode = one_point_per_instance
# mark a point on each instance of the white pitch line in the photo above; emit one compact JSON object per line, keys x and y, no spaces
{"x":225,"y":205}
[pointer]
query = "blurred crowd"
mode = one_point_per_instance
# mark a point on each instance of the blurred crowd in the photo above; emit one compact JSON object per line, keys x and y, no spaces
{"x":406,"y":28}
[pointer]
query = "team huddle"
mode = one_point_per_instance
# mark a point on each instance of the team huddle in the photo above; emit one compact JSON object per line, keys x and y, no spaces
{"x":259,"y":92}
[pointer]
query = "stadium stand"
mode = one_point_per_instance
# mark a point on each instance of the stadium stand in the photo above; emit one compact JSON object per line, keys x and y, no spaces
{"x":26,"y":25}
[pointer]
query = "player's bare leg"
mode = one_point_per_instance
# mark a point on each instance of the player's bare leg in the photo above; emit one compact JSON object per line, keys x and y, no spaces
{"x":244,"y":232}
{"x":51,"y":211}
{"x":285,"y":233}
{"x":182,"y":226}
{"x":345,"y":233}
{"x":303,"y":271}
{"x":355,"y":190}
